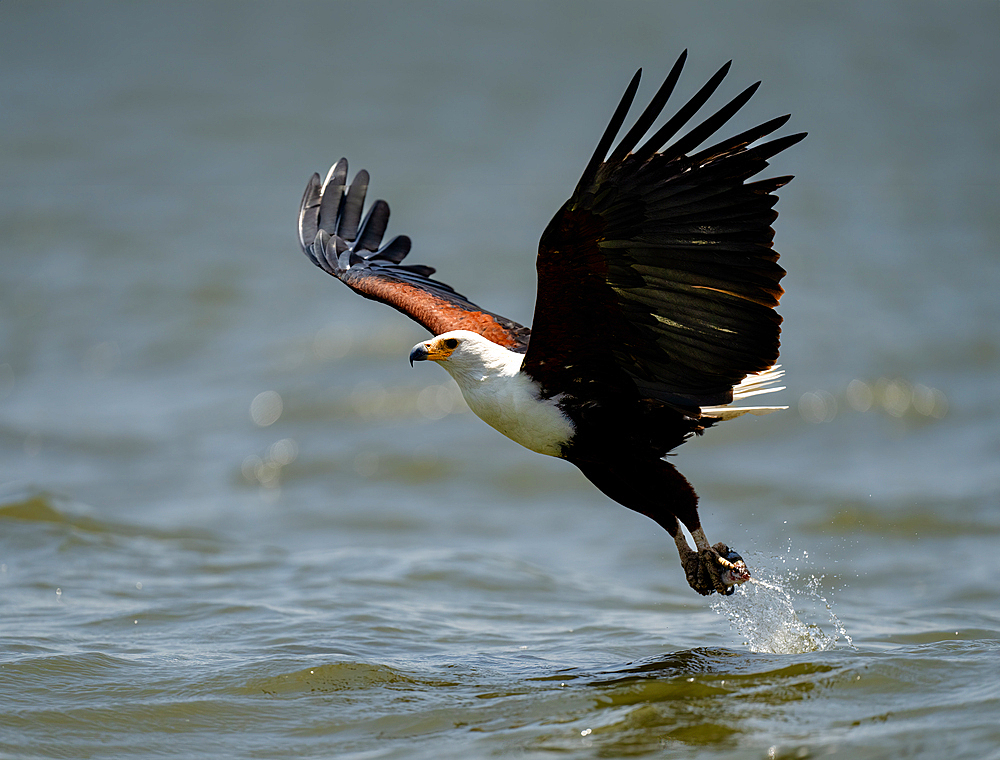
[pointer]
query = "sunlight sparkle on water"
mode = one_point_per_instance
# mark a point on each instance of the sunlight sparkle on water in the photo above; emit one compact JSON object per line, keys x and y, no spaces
{"x":896,"y":397}
{"x":266,"y":408}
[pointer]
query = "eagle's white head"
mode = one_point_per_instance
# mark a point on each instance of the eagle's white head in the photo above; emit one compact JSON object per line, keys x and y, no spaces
{"x":469,"y":357}
{"x":498,"y":392}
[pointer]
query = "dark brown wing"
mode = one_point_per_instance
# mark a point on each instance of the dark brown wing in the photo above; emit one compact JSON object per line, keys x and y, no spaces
{"x":337,"y":240}
{"x":658,"y":274}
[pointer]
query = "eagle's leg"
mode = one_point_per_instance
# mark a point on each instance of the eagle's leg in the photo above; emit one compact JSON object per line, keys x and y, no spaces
{"x":657,"y":490}
{"x":710,"y":568}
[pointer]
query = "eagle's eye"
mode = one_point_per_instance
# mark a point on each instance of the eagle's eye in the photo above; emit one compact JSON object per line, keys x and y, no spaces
{"x":451,"y":343}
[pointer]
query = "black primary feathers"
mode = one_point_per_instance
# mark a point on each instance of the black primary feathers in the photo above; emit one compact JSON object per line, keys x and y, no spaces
{"x":658,"y":273}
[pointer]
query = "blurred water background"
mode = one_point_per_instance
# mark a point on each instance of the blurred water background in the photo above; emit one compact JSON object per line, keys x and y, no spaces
{"x":235,"y":523}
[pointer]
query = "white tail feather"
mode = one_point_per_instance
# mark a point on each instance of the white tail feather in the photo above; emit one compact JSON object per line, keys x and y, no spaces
{"x":751,"y":385}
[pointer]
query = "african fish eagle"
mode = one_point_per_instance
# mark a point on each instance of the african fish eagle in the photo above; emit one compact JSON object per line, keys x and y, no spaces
{"x":655,"y":308}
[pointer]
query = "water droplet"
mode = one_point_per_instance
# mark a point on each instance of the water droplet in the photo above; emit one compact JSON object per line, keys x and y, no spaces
{"x":268,"y":474}
{"x":860,"y":395}
{"x":283,"y":452}
{"x":249,"y":467}
{"x":817,"y":406}
{"x":896,"y":396}
{"x":266,"y":408}
{"x":929,"y":402}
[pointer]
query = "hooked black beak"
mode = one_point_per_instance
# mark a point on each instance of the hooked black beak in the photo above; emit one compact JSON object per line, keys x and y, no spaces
{"x":418,"y":354}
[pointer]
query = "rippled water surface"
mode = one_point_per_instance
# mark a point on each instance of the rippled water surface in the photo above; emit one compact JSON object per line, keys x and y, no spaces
{"x":235,"y":523}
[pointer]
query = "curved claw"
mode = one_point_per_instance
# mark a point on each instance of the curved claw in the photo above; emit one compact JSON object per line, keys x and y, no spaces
{"x":714,"y":569}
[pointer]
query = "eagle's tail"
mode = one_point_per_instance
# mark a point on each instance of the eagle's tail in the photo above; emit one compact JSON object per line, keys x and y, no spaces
{"x":752,"y":385}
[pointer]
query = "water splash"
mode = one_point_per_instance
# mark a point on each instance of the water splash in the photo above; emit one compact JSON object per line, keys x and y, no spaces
{"x":770,"y":610}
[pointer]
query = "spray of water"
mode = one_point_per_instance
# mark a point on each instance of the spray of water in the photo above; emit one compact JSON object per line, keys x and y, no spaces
{"x":776,"y":610}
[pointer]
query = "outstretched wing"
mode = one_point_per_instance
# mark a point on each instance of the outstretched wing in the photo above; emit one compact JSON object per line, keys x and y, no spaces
{"x":658,"y":274}
{"x":337,"y":240}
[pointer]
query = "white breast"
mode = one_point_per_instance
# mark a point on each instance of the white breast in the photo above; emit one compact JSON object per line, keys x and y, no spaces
{"x":511,"y":405}
{"x":504,"y":398}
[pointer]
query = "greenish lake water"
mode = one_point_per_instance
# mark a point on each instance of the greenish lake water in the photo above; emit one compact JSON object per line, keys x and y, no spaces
{"x":234,"y":522}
